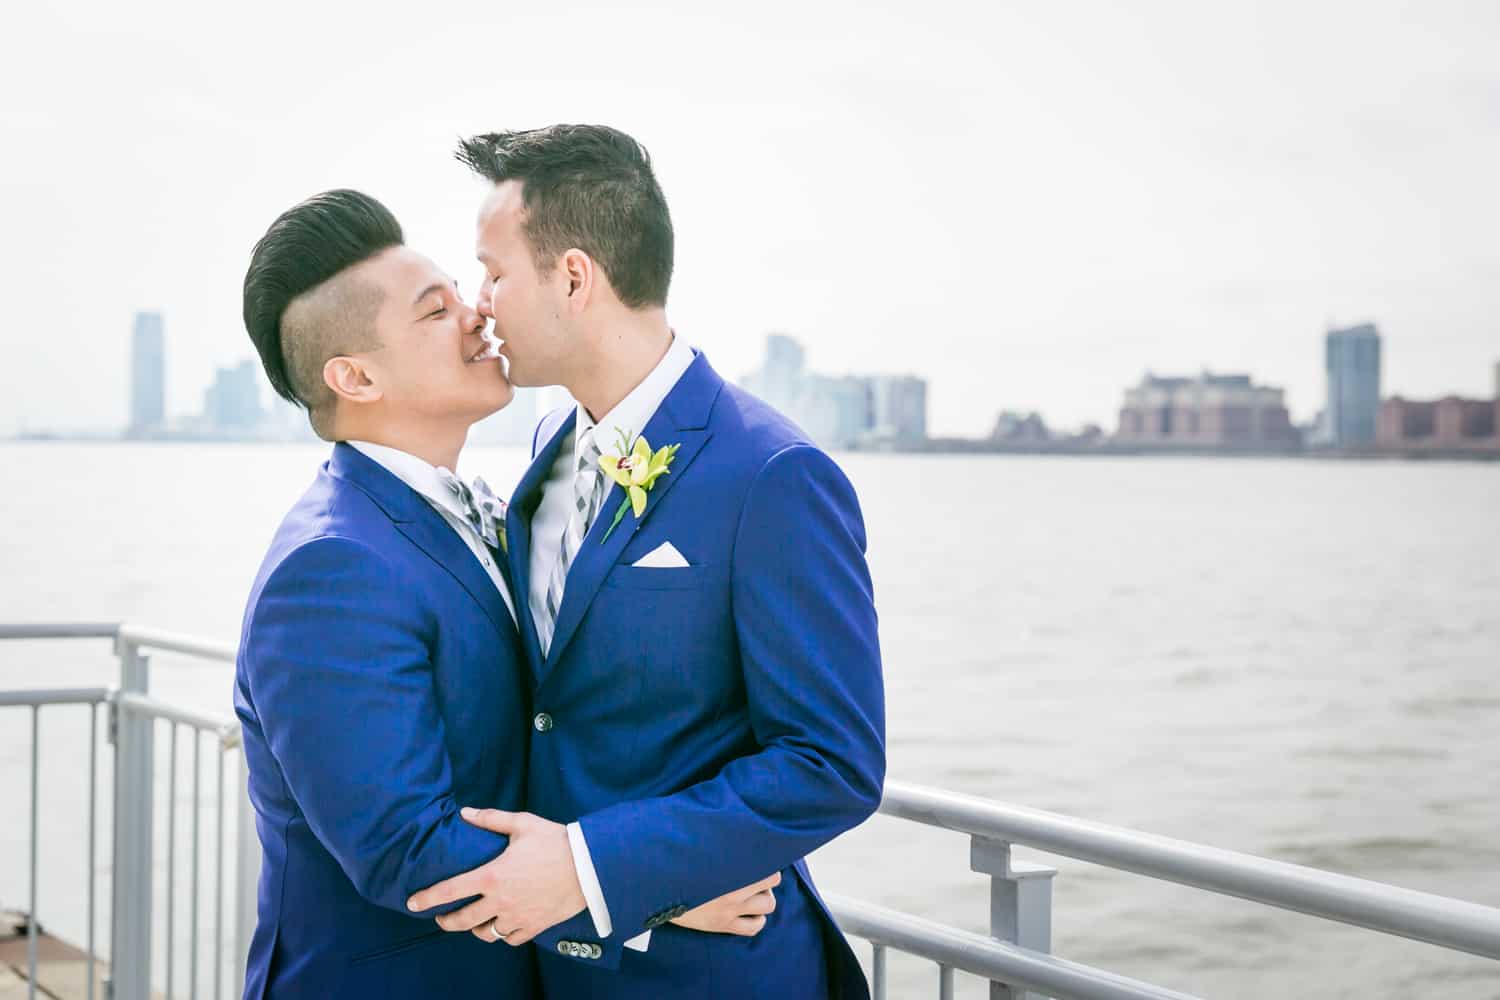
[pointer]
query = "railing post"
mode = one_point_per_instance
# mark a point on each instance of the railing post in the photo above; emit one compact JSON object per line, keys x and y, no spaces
{"x":246,"y":872}
{"x":1020,"y":903}
{"x":130,"y":917}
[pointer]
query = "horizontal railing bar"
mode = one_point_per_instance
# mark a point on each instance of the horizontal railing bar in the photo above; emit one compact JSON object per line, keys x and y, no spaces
{"x":987,"y":957}
{"x":54,"y":696}
{"x":146,"y":705}
{"x":1408,"y":913}
{"x":61,"y":630}
{"x":175,"y":642}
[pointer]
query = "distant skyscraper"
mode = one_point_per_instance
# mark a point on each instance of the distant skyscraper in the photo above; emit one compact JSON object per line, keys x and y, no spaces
{"x":840,"y":411}
{"x":899,"y":407}
{"x":1353,"y":362}
{"x":784,"y":356}
{"x":148,"y":373}
{"x":779,"y":380}
{"x":232,"y":403}
{"x":833,"y":410}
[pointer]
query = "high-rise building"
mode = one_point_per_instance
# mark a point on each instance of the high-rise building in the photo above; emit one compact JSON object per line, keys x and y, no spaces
{"x":779,"y":380}
{"x":1206,"y":411}
{"x":1353,"y":364}
{"x":232,"y":403}
{"x":898,"y":406}
{"x":833,"y":410}
{"x":148,"y":373}
{"x":840,"y":411}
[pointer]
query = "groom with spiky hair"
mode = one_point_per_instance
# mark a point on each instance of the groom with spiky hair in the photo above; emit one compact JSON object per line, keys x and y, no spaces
{"x":694,"y":601}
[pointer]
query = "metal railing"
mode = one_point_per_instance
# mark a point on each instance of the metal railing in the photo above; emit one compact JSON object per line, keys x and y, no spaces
{"x":132,"y":723}
{"x":1016,"y":956}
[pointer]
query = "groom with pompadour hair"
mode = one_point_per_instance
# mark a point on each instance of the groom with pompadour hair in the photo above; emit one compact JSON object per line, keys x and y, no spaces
{"x":380,"y":680}
{"x":695,"y":604}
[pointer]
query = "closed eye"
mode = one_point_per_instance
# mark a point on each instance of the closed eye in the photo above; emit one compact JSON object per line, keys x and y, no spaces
{"x":437,"y":313}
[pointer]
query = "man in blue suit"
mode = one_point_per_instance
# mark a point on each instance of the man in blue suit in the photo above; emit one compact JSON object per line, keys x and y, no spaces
{"x":379,"y":660}
{"x":381,"y":682}
{"x":693,"y":596}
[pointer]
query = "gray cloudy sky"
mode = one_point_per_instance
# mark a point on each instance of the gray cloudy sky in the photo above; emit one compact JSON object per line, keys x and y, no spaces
{"x":1030,"y":204}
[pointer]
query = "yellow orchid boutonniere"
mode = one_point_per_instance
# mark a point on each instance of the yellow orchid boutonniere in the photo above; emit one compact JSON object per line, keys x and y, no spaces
{"x":636,"y":469}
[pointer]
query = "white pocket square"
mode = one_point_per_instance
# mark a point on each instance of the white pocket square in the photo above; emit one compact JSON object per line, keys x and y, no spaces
{"x":664,"y":556}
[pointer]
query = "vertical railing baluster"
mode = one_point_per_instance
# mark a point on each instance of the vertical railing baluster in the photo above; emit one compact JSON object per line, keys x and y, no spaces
{"x":172,"y":863}
{"x":877,"y":973}
{"x":219,"y":886}
{"x":93,"y":859}
{"x":247,"y":862}
{"x":130,"y":905}
{"x":945,"y":982}
{"x":197,"y":818}
{"x":36,"y":750}
{"x":1020,"y":904}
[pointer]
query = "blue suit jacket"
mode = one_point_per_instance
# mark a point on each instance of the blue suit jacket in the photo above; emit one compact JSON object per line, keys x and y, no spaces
{"x":381,"y":687}
{"x":709,"y":724}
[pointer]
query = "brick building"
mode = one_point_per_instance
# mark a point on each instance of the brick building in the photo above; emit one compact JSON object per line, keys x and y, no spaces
{"x":1450,"y":423}
{"x":1206,"y":411}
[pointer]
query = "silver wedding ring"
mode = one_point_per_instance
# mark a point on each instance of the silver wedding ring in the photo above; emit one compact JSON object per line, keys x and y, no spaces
{"x":496,"y":932}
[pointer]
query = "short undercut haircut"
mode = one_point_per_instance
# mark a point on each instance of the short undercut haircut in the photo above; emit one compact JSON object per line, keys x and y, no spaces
{"x":301,"y":307}
{"x":588,"y":187}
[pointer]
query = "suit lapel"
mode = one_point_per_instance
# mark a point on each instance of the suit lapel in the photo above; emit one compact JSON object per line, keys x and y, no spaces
{"x":436,"y":537}
{"x":518,"y":536}
{"x":682,"y":419}
{"x":415,"y":518}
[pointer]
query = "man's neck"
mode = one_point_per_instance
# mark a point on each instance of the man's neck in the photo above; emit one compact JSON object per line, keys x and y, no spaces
{"x":626,"y":352}
{"x":437,"y":447}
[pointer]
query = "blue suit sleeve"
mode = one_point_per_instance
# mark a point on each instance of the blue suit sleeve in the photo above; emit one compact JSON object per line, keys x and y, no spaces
{"x":339,"y":671}
{"x":804,"y":617}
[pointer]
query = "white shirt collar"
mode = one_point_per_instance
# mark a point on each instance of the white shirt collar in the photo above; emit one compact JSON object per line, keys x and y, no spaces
{"x":414,"y":472}
{"x":634,"y":412}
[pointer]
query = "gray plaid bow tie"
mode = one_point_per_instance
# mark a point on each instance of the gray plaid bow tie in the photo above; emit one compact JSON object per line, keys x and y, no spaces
{"x":485,"y":511}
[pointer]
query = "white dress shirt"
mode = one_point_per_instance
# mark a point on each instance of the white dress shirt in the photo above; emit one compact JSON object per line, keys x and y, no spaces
{"x":423,"y":478}
{"x":630,"y":415}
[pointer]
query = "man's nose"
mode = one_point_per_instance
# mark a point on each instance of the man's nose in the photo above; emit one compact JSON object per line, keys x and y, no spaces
{"x":482,"y":303}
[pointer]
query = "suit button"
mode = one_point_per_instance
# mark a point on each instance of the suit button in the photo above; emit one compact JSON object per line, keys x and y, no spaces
{"x":594,"y":951}
{"x":542,"y":722}
{"x":562,"y":947}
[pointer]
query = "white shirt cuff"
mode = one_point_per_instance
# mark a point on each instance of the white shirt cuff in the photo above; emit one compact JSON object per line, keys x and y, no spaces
{"x":593,"y":893}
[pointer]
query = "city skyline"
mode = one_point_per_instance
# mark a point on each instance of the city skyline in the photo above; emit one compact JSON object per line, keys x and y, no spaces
{"x":855,"y":409}
{"x":1028,"y":211}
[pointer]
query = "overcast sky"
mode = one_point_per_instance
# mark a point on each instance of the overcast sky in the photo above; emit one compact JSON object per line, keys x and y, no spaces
{"x":1030,"y":204}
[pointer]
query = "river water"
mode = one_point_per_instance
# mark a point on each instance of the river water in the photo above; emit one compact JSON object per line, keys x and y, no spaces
{"x":1292,"y":658}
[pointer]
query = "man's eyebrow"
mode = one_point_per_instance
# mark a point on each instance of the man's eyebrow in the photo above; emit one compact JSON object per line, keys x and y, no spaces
{"x":436,"y":286}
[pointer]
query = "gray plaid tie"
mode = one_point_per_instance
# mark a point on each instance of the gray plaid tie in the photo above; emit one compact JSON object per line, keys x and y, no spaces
{"x":588,"y":493}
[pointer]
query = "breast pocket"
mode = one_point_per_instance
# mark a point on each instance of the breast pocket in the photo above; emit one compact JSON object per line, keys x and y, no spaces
{"x":670,"y":624}
{"x":662,"y":577}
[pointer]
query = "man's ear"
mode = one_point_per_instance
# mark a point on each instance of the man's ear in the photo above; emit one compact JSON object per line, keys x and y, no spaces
{"x":348,"y":379}
{"x":581,"y":273}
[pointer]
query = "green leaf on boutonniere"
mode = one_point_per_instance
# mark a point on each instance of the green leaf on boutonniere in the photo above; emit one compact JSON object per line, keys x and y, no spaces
{"x":636,"y":469}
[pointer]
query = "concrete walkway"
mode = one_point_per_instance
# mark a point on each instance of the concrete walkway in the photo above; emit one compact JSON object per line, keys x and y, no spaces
{"x":61,"y":969}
